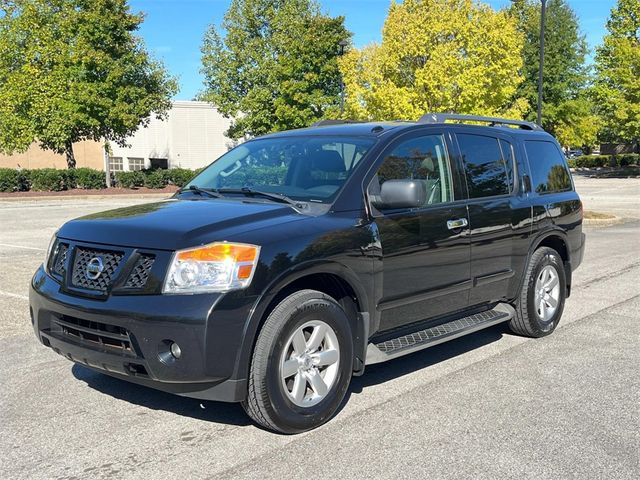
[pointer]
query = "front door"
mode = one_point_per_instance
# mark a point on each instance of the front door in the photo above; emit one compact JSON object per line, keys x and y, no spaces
{"x":425,"y":250}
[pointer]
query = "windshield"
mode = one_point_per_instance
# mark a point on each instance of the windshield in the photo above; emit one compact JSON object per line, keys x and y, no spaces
{"x":302,"y":168}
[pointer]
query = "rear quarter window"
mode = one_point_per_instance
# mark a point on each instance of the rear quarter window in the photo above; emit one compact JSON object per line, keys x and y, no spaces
{"x":549,"y":172}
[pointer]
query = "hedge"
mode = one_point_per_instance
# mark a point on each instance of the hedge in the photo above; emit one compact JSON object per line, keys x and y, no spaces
{"x":12,"y":180}
{"x":88,"y":178}
{"x":156,"y":179}
{"x":131,"y":179}
{"x":181,"y":176}
{"x":49,"y":179}
{"x":598,"y":161}
{"x":53,"y":180}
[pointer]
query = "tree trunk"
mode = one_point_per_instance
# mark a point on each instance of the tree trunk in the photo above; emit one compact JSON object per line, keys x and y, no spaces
{"x":71,"y":158}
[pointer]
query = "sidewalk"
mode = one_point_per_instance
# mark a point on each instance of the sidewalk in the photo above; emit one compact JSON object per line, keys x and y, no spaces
{"x":77,"y":193}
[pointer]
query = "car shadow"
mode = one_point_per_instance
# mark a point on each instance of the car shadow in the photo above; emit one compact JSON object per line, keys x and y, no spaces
{"x":233,"y":414}
{"x":216,"y":412}
{"x":383,"y":372}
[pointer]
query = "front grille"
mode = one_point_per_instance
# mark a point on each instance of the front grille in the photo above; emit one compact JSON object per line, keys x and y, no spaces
{"x":60,"y":259}
{"x":110,"y":262}
{"x":96,"y":334}
{"x":140,"y":273}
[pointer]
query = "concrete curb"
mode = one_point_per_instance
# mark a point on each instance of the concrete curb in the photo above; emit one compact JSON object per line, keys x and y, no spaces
{"x":125,"y":196}
{"x":602,"y":222}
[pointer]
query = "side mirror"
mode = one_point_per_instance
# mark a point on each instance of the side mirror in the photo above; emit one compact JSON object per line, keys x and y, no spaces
{"x":396,"y":194}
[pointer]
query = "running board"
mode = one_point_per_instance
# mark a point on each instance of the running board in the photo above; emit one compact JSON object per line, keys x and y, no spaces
{"x":413,"y":342}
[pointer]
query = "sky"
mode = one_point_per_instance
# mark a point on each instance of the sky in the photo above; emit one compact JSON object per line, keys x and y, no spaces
{"x":173,"y":29}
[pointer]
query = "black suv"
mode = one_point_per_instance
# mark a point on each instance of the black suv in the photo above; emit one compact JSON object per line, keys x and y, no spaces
{"x":298,"y":258}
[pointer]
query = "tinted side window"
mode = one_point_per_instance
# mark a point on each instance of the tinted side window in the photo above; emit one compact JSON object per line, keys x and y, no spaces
{"x":548,"y":169}
{"x":421,"y":158}
{"x":484,"y":166}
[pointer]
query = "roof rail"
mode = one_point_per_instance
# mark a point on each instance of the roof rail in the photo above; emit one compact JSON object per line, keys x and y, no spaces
{"x":443,"y":117}
{"x":324,"y":123}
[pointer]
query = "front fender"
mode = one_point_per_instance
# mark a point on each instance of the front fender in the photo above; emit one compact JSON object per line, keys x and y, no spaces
{"x":282,"y":281}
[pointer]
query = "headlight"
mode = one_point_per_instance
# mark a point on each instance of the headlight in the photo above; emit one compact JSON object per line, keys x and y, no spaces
{"x":52,"y":243}
{"x":217,"y":267}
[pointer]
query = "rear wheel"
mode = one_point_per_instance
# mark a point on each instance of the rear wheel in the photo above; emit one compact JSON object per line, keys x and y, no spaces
{"x":541,"y":301}
{"x":301,"y":365}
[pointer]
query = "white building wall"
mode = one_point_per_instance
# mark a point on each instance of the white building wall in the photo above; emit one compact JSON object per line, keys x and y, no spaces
{"x":191,"y":136}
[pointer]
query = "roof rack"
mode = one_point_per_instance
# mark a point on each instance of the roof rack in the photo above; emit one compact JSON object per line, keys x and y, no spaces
{"x":443,"y":117}
{"x":324,"y":123}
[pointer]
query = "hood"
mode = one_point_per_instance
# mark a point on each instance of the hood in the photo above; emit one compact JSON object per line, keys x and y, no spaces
{"x":175,"y":224}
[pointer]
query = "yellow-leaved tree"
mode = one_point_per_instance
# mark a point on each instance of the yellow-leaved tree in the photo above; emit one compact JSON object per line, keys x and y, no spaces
{"x":437,"y":56}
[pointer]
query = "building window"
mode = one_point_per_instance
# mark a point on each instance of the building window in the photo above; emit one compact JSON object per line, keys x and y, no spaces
{"x":115,"y":164}
{"x":159,"y":163}
{"x":135,"y":163}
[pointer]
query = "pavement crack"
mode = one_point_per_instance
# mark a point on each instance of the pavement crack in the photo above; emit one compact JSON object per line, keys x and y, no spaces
{"x":608,"y":276}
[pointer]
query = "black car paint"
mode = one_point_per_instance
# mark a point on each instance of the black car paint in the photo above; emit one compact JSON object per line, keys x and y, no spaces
{"x":465,"y":269}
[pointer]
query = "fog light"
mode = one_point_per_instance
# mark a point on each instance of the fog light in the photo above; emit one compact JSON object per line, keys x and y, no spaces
{"x":175,"y":350}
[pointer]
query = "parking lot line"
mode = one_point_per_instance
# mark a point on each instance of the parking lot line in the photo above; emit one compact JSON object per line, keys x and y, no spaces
{"x":14,"y":295}
{"x":21,"y":246}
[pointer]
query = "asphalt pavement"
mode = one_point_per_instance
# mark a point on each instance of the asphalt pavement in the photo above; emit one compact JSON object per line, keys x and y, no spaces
{"x":490,"y":405}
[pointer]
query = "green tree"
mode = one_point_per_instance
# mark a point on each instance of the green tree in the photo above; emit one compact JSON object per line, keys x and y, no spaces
{"x":617,"y":86}
{"x":73,"y":70}
{"x":276,"y":66}
{"x":577,"y":125}
{"x":565,"y":72}
{"x":436,"y":56}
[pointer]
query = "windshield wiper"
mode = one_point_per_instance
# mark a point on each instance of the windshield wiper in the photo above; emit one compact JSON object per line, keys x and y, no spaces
{"x":278,"y":197}
{"x":201,"y":191}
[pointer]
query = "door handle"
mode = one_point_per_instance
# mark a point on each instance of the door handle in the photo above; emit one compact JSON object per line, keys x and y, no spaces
{"x":457,"y":223}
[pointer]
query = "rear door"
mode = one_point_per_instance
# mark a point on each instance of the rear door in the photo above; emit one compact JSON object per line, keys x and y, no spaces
{"x":499,"y":214}
{"x":425,"y":250}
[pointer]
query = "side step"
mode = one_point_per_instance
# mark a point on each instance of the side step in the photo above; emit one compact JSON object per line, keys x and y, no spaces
{"x":412,"y":342}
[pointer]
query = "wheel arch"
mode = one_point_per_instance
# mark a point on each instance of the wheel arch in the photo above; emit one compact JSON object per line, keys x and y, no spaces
{"x":557,"y":240}
{"x":332,"y":278}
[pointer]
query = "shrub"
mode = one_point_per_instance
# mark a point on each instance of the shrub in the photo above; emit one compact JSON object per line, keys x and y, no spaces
{"x":24,"y":180}
{"x":70,"y":178}
{"x":592,"y":161}
{"x":180,"y":176}
{"x":88,"y":178}
{"x":572,"y":162}
{"x":156,"y":178}
{"x":13,"y":180}
{"x":8,"y":180}
{"x":48,"y":179}
{"x":595,"y":161}
{"x":133,"y":179}
{"x":629,"y":159}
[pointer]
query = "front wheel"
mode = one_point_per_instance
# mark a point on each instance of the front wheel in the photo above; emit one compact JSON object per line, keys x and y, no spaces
{"x":541,"y":301}
{"x":301,"y":365}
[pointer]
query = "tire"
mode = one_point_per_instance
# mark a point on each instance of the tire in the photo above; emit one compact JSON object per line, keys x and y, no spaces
{"x":530,"y":319}
{"x":278,"y":370}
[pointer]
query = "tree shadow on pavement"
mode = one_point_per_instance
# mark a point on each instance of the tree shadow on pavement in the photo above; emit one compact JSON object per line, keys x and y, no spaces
{"x":218,"y":412}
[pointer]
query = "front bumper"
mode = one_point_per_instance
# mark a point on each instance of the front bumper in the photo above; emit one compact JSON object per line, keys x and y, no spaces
{"x":128,"y":337}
